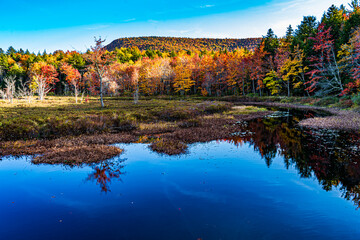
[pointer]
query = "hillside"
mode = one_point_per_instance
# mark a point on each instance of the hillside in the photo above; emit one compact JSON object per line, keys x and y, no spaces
{"x":176,"y":44}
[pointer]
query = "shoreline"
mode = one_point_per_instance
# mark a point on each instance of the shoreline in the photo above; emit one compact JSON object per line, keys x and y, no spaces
{"x":164,"y":135}
{"x":338,"y":119}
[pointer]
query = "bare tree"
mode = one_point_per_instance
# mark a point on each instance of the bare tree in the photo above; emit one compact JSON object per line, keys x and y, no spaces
{"x":3,"y":95}
{"x":25,"y":91}
{"x":135,"y":82}
{"x":10,"y":87}
{"x":8,"y":93}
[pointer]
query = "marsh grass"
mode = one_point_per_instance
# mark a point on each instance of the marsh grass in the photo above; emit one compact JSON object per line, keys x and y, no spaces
{"x":241,"y":110}
{"x":59,"y":116}
{"x":61,"y":130}
{"x":341,"y":120}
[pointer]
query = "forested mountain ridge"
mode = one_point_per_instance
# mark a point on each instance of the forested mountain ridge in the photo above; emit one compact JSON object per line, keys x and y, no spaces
{"x":179,"y":44}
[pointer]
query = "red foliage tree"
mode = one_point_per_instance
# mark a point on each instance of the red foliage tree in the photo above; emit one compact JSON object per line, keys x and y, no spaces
{"x":99,"y":60}
{"x":325,"y":73}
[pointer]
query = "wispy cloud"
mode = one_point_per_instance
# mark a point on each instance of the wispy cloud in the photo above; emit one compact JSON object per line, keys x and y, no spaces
{"x":129,"y":20}
{"x":207,"y":6}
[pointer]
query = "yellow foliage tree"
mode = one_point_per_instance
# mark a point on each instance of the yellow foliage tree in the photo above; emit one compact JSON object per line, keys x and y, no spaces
{"x":182,"y":81}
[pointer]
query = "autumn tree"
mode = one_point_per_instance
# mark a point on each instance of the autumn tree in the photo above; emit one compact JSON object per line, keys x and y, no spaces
{"x":288,"y":67}
{"x":149,"y":79}
{"x":182,"y":71}
{"x":134,"y":79}
{"x":350,"y":62}
{"x":257,"y":70}
{"x":43,"y":78}
{"x":73,"y":78}
{"x":99,"y":60}
{"x":207,"y":74}
{"x":163,"y":71}
{"x":325,"y":76}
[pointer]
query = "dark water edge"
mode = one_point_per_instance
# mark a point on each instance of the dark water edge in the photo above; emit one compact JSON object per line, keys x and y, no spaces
{"x":270,"y":180}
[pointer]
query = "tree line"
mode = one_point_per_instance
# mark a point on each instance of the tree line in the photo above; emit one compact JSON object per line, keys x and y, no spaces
{"x":318,"y":58}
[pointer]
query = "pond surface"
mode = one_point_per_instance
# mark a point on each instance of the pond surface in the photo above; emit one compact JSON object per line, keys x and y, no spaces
{"x":271,"y":180}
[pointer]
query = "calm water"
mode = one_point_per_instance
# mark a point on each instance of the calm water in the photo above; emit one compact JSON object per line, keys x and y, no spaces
{"x":271,"y":180}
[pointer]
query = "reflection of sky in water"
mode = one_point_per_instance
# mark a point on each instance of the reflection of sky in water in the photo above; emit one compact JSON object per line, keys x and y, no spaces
{"x":217,"y":191}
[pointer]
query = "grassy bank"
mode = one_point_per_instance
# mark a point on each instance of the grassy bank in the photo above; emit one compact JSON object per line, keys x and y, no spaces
{"x":59,"y":116}
{"x":61,"y":131}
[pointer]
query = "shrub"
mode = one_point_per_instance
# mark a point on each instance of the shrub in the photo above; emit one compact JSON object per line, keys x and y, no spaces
{"x":309,"y":101}
{"x":217,"y":108}
{"x":189,"y":123}
{"x":173,"y":114}
{"x":122,"y":125}
{"x":356,"y":99}
{"x":326,"y":101}
{"x":19,"y":129}
{"x":169,"y":147}
{"x":252,"y":95}
{"x":213,"y":107}
{"x":345,"y":103}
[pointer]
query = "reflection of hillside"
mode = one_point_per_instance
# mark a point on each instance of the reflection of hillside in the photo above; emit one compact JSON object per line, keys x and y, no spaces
{"x":332,"y":156}
{"x":105,"y":172}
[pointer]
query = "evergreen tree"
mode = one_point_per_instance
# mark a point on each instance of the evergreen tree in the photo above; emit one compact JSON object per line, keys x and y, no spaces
{"x":289,"y":37}
{"x":354,"y":4}
{"x":305,"y":30}
{"x":10,"y":50}
{"x":271,"y":42}
{"x":352,"y":23}
{"x":333,"y":19}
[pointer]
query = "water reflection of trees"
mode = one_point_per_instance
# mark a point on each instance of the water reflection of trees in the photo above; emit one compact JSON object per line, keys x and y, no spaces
{"x":105,"y":172}
{"x":332,"y":156}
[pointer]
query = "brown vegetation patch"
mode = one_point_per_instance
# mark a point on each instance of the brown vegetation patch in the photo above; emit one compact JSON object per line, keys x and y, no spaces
{"x":169,"y":146}
{"x":343,"y":120}
{"x":190,"y":123}
{"x":78,"y":155}
{"x":33,"y":147}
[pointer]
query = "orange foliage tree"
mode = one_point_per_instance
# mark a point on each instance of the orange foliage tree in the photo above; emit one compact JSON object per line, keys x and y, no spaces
{"x":182,"y":71}
{"x":73,"y":78}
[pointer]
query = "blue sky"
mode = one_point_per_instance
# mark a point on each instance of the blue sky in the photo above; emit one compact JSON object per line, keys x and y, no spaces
{"x":71,"y":25}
